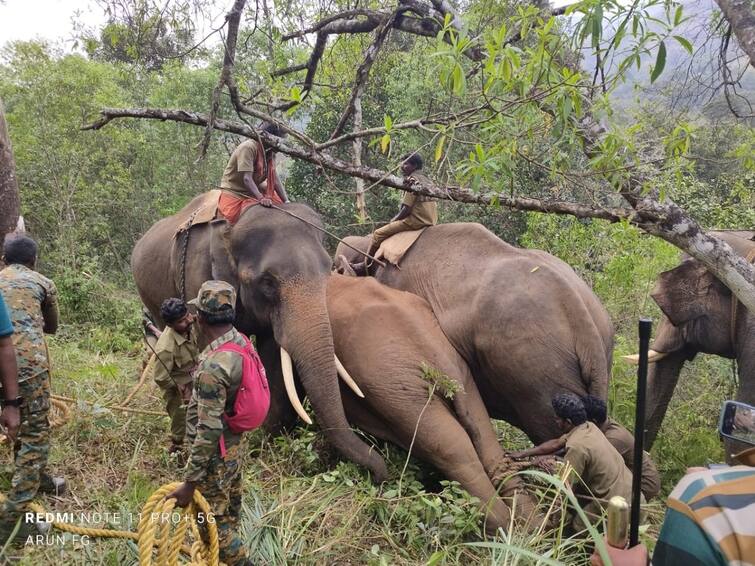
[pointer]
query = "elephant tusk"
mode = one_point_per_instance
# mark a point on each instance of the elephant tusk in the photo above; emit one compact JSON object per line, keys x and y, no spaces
{"x":287,"y":368}
{"x":653,"y":356}
{"x":347,"y":379}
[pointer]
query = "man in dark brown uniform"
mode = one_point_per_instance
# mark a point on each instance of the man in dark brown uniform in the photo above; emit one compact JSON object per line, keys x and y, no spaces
{"x":623,"y":441}
{"x":598,"y":470}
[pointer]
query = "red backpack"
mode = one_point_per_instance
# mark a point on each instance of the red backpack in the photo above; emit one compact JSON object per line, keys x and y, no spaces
{"x":253,"y":395}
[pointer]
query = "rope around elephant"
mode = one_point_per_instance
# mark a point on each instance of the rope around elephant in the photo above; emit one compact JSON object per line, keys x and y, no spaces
{"x":156,"y":533}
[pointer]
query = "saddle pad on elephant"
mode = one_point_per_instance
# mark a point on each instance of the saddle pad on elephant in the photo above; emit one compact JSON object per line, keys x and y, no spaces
{"x":205,"y":211}
{"x":394,"y":248}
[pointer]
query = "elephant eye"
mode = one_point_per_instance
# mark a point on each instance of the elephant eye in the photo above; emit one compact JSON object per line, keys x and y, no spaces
{"x":268,"y":286}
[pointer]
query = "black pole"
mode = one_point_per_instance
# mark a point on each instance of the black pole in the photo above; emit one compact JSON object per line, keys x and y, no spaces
{"x":639,"y":430}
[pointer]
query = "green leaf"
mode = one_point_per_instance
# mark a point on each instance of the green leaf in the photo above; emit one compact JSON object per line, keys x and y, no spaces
{"x":439,"y":148}
{"x":684,"y":42}
{"x":678,"y":15}
{"x":388,"y":122}
{"x":660,"y":62}
{"x":436,"y":557}
{"x":385,"y":143}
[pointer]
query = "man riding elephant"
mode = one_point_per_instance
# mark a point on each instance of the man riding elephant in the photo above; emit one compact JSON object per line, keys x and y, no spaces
{"x":416,"y":211}
{"x":250,"y":177}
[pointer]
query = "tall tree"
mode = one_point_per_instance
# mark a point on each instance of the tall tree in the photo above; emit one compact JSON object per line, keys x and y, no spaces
{"x":9,"y":202}
{"x":508,"y":87}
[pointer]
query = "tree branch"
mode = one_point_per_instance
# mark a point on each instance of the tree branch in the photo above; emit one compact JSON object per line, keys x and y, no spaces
{"x":226,"y":74}
{"x":363,"y":72}
{"x":740,"y":15}
{"x":451,"y":192}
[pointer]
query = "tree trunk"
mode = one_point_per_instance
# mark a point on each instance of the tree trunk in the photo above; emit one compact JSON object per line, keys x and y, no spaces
{"x":9,"y":201}
{"x":739,"y":14}
{"x":357,"y":151}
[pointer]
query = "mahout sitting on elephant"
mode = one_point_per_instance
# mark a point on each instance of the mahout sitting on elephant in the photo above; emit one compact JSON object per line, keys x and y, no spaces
{"x":525,"y":323}
{"x":418,"y":391}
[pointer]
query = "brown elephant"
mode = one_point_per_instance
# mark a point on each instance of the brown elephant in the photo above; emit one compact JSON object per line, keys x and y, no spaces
{"x":280,"y":268}
{"x":526,"y":324}
{"x":700,"y":317}
{"x":391,"y":344}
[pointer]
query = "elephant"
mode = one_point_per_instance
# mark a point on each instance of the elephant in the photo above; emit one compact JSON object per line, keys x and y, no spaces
{"x":700,"y":316}
{"x":277,"y":262}
{"x":390,"y":342}
{"x":525,"y":323}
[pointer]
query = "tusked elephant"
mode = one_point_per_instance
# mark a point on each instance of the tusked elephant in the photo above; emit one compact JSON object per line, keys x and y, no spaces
{"x":526,"y":324}
{"x":280,"y":268}
{"x":391,"y":344}
{"x":700,"y":317}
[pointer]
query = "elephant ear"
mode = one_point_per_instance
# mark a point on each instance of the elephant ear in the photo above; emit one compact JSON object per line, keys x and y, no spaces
{"x":683,"y":293}
{"x":223,"y":262}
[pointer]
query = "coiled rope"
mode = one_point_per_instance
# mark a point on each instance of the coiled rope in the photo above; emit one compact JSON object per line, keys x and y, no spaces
{"x":159,"y":536}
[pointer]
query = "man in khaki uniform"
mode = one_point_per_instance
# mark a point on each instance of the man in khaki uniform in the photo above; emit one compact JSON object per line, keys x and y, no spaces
{"x":598,"y":470}
{"x":623,"y":440}
{"x":250,"y":178}
{"x":416,"y":211}
{"x":176,"y":356}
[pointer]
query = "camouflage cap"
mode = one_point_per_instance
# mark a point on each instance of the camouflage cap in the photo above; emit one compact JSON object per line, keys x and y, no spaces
{"x":215,"y":296}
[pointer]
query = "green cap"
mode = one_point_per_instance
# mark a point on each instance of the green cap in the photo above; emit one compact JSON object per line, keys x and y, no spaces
{"x":215,"y":296}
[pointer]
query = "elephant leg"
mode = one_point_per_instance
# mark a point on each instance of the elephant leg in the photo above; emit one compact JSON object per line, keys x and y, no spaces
{"x":442,"y":441}
{"x":473,"y":416}
{"x":360,"y":414}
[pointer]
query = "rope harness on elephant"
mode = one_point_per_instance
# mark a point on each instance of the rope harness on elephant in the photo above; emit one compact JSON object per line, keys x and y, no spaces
{"x":162,"y":530}
{"x":184,"y":250}
{"x":323,"y":230}
{"x":750,"y":258}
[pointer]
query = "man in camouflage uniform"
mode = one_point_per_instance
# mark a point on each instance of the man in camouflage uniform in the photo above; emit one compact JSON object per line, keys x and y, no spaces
{"x":216,"y":382}
{"x":32,"y":302}
{"x":175,"y":358}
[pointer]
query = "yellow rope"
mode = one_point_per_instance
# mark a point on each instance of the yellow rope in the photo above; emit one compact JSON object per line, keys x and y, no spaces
{"x":154,"y":530}
{"x":142,"y":380}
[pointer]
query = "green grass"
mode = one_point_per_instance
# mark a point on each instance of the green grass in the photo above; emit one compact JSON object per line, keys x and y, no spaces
{"x":305,"y":506}
{"x":302,"y":505}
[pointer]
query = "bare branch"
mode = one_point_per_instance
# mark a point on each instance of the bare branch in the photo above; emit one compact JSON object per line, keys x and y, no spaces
{"x":233,"y":18}
{"x":451,"y":192}
{"x":363,"y":72}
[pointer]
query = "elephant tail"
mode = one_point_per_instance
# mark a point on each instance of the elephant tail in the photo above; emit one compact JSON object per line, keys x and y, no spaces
{"x":594,"y":350}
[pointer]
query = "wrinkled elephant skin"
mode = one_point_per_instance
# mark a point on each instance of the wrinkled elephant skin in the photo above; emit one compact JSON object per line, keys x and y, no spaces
{"x":698,"y":319}
{"x":392,"y":345}
{"x":526,"y":324}
{"x":280,"y":268}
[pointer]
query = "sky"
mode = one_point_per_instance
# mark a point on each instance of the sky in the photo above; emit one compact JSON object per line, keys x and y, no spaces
{"x":53,"y":20}
{"x":46,"y":19}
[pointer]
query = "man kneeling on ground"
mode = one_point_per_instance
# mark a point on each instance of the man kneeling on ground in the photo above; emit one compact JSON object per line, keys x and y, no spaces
{"x":598,"y":470}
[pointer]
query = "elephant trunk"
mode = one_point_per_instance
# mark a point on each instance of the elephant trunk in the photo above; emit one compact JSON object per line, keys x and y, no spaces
{"x":662,"y":379}
{"x":302,"y":328}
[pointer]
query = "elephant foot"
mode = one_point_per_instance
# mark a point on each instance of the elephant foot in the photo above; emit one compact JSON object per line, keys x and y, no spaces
{"x":513,"y":491}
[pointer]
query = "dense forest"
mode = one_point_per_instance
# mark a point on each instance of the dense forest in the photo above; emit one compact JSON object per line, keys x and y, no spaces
{"x":497,"y":97}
